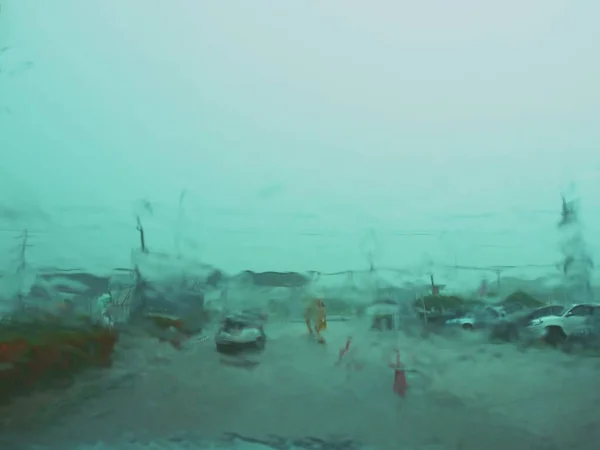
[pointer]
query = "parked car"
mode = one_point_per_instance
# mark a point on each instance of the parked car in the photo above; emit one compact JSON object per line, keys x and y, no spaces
{"x":511,"y":327}
{"x":241,"y":332}
{"x":574,"y":321}
{"x":483,"y":318}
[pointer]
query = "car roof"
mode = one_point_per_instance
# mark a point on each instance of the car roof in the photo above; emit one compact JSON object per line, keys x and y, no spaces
{"x":593,"y":305}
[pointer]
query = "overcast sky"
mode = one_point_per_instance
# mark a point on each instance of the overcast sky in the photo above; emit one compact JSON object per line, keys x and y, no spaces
{"x":464,"y":120}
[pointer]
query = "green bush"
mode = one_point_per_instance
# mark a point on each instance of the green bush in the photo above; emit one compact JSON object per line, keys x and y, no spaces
{"x":440,"y":302}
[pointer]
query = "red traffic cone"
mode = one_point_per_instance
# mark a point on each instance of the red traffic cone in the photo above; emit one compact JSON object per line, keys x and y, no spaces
{"x":400,"y":385}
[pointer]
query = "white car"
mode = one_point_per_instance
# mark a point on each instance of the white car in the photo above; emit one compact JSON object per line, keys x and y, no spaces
{"x":575,"y":320}
{"x":479,"y":319}
{"x":241,"y":333}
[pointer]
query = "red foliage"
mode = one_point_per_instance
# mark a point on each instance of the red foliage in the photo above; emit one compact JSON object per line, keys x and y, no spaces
{"x":24,"y":365}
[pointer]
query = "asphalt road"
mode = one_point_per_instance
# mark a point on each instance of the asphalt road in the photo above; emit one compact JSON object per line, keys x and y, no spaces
{"x":463,"y":394}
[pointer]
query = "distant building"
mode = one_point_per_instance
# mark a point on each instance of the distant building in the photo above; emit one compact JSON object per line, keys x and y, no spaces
{"x":384,"y":315}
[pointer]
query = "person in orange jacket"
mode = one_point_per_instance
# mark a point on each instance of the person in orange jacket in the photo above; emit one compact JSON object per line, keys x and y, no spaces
{"x":315,"y":312}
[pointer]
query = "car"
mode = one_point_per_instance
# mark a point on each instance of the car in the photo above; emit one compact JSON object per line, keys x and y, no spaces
{"x":478,"y":319}
{"x":513,"y":327}
{"x":574,"y":321}
{"x":241,"y":332}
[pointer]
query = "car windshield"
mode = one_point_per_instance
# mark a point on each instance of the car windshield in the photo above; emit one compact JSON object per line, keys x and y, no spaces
{"x":231,"y":323}
{"x":554,"y":310}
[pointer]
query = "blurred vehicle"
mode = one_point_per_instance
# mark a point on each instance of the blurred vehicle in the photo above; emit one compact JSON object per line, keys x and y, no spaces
{"x":577,"y":320}
{"x":384,"y":315}
{"x":241,"y":332}
{"x":437,"y":320}
{"x":587,"y":338}
{"x":513,"y":326}
{"x":483,"y":318}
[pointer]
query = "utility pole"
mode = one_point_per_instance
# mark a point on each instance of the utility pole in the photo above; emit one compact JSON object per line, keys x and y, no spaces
{"x":140,"y":284}
{"x":23,"y":251}
{"x":179,"y":230}
{"x":577,"y":264}
{"x":140,"y":230}
{"x":370,"y":246}
{"x":435,"y":289}
{"x":22,"y":265}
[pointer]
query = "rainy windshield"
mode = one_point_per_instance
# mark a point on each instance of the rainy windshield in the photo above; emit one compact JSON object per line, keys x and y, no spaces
{"x":326,"y":225}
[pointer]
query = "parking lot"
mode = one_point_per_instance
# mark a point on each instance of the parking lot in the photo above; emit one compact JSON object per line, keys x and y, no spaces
{"x":464,"y":393}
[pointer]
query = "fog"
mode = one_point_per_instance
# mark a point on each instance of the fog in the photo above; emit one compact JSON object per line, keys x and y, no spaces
{"x":294,"y":129}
